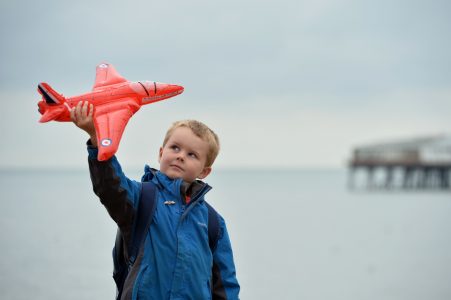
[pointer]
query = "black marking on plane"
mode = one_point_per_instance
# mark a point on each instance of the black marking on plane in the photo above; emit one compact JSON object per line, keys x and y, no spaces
{"x":155,"y":87}
{"x":144,"y":88}
{"x":47,"y":98}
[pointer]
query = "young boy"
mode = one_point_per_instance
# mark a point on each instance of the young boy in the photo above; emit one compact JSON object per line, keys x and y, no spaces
{"x":175,"y":260}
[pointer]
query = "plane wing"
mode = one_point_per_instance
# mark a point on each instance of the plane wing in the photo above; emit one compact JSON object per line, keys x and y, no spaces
{"x":106,"y":75}
{"x":110,"y":125}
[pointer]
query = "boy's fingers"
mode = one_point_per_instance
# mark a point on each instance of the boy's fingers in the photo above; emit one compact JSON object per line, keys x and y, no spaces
{"x":84,"y":110}
{"x":72,"y":114}
{"x":91,"y":110}
{"x":82,"y":113}
{"x":78,"y":110}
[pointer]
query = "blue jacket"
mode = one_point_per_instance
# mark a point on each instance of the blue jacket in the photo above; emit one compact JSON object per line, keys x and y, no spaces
{"x":176,"y":261}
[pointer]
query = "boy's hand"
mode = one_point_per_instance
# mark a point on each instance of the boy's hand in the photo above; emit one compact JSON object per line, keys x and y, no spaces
{"x":81,"y":115}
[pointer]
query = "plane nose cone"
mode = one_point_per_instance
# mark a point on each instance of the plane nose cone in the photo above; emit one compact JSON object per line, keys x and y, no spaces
{"x":168,"y":89}
{"x":157,"y":91}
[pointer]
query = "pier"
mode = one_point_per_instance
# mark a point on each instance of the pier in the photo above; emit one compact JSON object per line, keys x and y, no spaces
{"x":419,"y":163}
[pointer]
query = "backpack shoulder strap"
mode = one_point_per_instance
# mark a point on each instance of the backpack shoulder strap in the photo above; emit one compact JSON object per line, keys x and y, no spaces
{"x":213,"y":227}
{"x":146,"y":209}
{"x":145,"y":212}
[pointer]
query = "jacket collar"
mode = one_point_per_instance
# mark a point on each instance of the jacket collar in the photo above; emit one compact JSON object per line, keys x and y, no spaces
{"x":175,"y":186}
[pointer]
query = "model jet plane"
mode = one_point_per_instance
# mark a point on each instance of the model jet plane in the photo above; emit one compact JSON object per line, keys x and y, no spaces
{"x":115,"y":100}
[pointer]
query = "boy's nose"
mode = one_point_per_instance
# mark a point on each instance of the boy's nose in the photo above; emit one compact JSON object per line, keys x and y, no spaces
{"x":180,"y":157}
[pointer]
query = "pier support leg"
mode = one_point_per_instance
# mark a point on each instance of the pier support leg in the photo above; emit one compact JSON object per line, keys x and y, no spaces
{"x":351,"y":183}
{"x":407,"y":178}
{"x":371,"y":183}
{"x":389,"y":178}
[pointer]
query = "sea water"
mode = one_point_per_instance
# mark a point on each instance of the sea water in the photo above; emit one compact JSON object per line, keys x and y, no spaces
{"x":296,"y":234}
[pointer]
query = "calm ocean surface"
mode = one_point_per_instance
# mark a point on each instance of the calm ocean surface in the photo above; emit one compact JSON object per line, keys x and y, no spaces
{"x":297,"y":234}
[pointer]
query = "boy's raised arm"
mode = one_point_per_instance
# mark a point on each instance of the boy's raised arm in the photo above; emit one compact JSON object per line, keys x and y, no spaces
{"x":117,"y":193}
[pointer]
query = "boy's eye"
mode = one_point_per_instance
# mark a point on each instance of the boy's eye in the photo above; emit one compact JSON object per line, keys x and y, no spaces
{"x":174,"y":147}
{"x":193,"y":155}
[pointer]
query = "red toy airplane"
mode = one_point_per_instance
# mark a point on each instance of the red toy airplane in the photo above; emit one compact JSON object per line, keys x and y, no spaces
{"x":115,"y":100}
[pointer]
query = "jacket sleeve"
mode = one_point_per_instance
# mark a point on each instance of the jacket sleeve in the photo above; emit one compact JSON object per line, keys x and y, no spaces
{"x":117,"y":193}
{"x":224,"y":283}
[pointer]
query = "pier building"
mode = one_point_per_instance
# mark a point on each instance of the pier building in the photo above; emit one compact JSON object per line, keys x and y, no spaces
{"x":418,"y":163}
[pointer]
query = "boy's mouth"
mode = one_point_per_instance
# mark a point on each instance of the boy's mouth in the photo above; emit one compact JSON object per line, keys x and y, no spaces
{"x":176,"y":167}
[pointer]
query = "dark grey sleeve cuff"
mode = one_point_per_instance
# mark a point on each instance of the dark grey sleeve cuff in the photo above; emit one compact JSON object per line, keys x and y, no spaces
{"x":92,"y":150}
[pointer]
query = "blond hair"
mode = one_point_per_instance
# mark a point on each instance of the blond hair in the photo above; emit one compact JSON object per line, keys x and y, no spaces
{"x":201,"y":130}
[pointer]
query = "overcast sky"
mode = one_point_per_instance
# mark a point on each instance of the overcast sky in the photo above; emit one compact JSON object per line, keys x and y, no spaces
{"x":285,"y":83}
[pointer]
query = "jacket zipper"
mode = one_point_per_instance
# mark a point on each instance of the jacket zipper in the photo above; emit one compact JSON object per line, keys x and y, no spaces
{"x":195,"y":200}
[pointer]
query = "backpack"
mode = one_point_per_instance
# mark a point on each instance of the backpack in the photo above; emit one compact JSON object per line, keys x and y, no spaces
{"x":146,"y":210}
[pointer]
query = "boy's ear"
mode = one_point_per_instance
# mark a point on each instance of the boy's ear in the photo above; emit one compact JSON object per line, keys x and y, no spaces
{"x":204,"y":173}
{"x":160,"y":154}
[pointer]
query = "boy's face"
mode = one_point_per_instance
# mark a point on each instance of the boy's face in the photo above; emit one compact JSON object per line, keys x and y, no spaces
{"x":184,"y":156}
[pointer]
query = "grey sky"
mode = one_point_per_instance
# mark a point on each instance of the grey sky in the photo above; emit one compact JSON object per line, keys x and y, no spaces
{"x":284,"y":83}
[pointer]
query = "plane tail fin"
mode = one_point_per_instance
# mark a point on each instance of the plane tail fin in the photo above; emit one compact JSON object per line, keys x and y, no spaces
{"x":52,"y":104}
